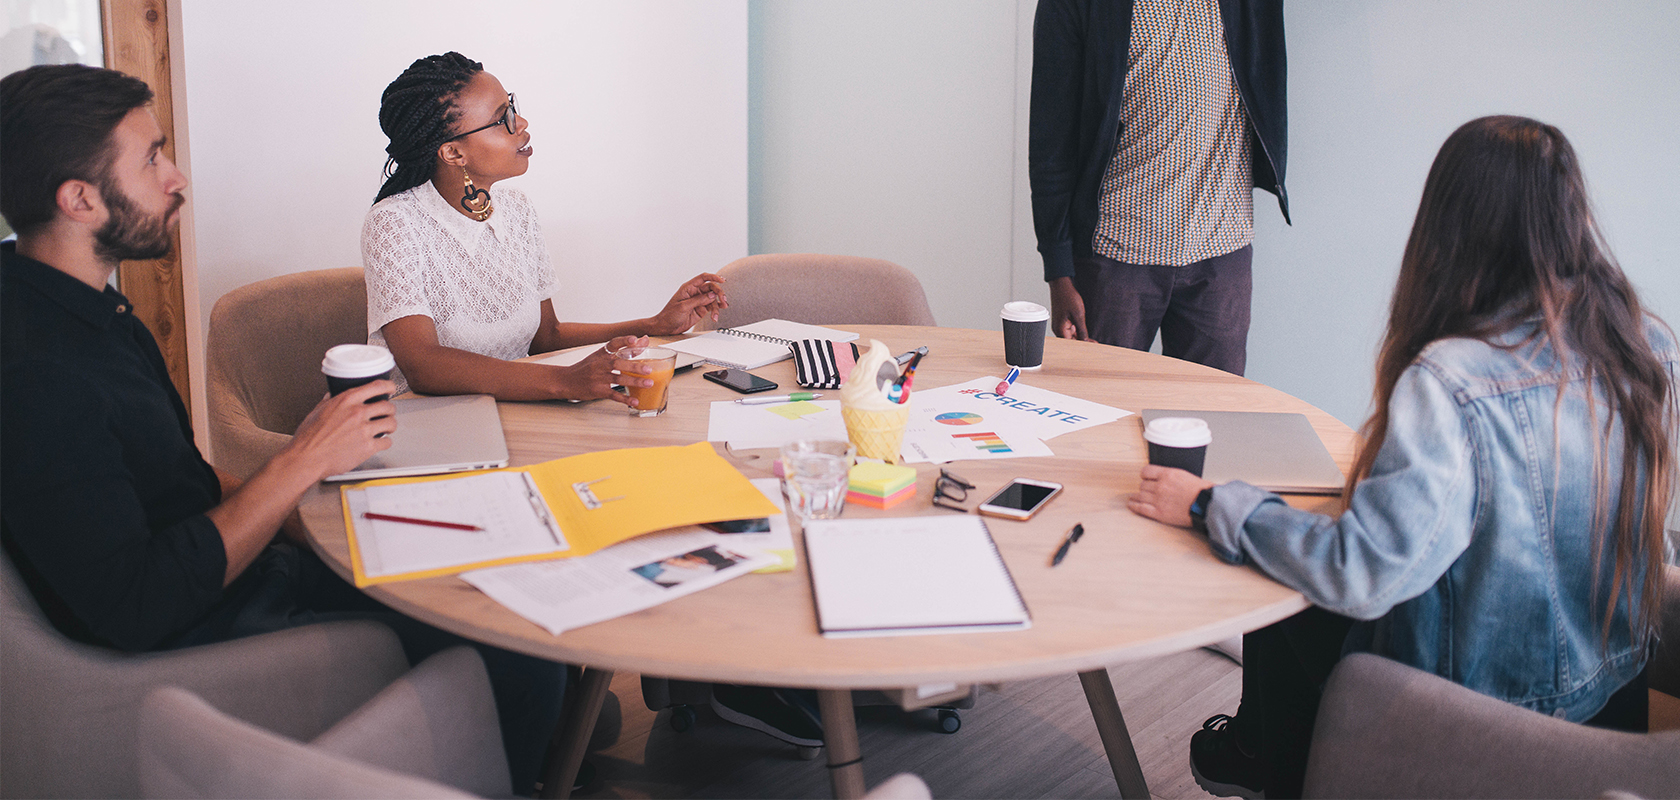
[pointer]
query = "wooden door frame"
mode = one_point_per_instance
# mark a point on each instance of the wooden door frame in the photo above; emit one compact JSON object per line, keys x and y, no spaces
{"x":137,"y":41}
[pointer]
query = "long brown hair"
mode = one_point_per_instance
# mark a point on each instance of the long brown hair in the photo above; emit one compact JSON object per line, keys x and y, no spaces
{"x":1505,"y":234}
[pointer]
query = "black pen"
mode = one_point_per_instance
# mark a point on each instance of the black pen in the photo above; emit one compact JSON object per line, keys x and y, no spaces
{"x":1072,"y":536}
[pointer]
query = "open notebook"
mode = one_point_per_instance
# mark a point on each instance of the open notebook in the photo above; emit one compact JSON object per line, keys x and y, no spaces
{"x":753,"y":346}
{"x":910,"y":575}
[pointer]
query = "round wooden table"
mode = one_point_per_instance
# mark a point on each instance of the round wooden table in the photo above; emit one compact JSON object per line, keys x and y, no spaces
{"x":1131,"y":588}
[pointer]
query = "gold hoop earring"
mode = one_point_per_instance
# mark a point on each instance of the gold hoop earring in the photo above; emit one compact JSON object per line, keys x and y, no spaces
{"x":475,"y":200}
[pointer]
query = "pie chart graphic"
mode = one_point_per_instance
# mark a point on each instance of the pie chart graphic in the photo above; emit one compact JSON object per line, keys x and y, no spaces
{"x":958,"y":418}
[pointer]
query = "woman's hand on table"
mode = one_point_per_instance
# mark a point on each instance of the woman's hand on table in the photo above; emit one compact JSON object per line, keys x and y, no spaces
{"x":699,"y":299}
{"x":1166,"y":494}
{"x":593,"y":377}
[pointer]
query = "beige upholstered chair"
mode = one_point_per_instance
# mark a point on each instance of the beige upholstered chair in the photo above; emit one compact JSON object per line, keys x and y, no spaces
{"x":432,"y":733}
{"x":821,"y":290}
{"x":264,"y":351}
{"x":69,"y":712}
{"x":1389,"y":730}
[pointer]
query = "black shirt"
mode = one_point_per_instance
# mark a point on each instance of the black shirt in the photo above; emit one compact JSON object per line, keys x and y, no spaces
{"x":102,"y":491}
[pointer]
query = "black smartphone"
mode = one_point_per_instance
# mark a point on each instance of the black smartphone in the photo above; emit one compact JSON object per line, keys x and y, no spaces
{"x":1021,"y":499}
{"x":740,"y":380}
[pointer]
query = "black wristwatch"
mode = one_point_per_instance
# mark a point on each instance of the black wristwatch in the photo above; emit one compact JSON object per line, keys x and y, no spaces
{"x":1199,"y":509}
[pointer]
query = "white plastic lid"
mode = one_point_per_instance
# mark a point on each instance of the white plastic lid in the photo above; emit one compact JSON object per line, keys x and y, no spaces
{"x":357,"y":361}
{"x":1177,"y":432}
{"x":1024,"y":311}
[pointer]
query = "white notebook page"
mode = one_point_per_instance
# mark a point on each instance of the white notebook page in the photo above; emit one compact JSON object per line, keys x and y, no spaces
{"x":904,"y":575}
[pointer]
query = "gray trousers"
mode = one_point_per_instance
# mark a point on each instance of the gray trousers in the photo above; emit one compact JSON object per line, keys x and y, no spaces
{"x":1201,"y":309}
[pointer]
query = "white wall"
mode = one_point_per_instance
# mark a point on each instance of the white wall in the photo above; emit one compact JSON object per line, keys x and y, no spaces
{"x":898,"y":130}
{"x":638,"y":118}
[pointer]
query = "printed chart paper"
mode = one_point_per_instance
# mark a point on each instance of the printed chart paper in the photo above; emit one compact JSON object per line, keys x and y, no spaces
{"x":940,"y":434}
{"x":1040,"y":412}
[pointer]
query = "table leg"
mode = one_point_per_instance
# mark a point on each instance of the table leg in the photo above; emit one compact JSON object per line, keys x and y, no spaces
{"x":575,"y":729}
{"x":1105,"y":710}
{"x":845,"y":760}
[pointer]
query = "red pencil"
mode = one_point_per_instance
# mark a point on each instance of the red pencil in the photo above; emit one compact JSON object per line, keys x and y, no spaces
{"x":413,"y":521}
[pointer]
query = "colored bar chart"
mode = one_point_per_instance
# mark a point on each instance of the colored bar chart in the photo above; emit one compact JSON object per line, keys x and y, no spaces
{"x":985,"y":441}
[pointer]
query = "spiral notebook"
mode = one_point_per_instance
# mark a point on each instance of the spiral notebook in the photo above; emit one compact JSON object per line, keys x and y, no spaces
{"x":753,"y":346}
{"x":910,"y":575}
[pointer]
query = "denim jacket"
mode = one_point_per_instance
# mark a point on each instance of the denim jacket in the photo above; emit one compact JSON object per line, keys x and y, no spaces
{"x":1468,"y":551}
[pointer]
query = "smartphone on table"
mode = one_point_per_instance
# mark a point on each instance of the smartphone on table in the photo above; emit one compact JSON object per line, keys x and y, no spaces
{"x":740,"y":380}
{"x":1021,"y":499}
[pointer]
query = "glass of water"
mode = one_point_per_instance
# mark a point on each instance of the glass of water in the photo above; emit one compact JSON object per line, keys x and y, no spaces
{"x":814,"y":475}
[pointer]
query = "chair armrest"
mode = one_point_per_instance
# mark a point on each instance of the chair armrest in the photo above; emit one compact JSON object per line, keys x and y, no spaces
{"x":1387,"y":730}
{"x":71,"y":710}
{"x":1664,"y":670}
{"x":295,"y":682}
{"x":188,"y":750}
{"x":446,"y":716}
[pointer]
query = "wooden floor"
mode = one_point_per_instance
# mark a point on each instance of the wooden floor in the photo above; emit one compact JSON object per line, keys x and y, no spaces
{"x":1029,"y":740}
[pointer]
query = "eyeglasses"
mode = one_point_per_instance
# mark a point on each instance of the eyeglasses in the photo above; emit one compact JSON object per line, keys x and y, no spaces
{"x":507,"y":121}
{"x":951,"y":491}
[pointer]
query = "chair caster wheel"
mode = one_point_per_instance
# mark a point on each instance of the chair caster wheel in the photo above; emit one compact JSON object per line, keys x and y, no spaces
{"x":949,"y":722}
{"x":682,"y":718}
{"x":807,"y":753}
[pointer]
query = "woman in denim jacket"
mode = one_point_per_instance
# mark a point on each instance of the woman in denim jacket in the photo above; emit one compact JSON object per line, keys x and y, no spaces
{"x":1504,"y":525}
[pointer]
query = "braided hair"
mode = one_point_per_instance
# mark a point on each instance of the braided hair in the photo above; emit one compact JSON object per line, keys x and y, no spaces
{"x":418,"y":114}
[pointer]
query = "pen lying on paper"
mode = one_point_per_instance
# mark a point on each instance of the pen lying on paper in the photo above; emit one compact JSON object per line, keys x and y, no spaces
{"x":459,"y":526}
{"x":1072,"y":536}
{"x":780,"y":398}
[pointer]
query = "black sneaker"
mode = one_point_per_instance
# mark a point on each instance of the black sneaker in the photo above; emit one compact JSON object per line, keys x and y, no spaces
{"x":1222,"y":768}
{"x":768,"y":710}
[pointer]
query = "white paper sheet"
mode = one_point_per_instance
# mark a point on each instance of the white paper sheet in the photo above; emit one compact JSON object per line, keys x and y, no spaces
{"x":1043,"y":413}
{"x":772,"y":424}
{"x":507,"y":505}
{"x":943,"y":432}
{"x":910,"y":575}
{"x":622,"y":579}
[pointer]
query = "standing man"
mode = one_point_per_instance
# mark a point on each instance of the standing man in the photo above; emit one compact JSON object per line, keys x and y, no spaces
{"x":1152,"y":120}
{"x":124,"y":534}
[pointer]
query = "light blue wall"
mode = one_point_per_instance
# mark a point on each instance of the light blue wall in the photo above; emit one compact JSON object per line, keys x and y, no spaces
{"x":898,"y":130}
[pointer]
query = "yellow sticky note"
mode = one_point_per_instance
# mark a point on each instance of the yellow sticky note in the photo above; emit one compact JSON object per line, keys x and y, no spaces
{"x":797,"y":409}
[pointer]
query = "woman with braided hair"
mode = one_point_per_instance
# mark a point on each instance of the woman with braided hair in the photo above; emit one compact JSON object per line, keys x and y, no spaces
{"x":458,"y":276}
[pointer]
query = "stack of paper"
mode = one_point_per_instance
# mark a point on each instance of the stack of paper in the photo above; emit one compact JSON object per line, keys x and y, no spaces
{"x":638,"y":574}
{"x":558,"y":509}
{"x":971,"y":421}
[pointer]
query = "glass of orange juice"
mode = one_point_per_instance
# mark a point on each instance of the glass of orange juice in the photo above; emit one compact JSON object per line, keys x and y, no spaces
{"x":651,"y":400}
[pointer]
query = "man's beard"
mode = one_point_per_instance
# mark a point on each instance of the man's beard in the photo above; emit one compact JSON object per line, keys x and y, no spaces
{"x":130,"y":235}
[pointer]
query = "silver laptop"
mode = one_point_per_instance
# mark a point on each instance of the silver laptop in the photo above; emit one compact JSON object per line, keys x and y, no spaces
{"x":1276,"y":452}
{"x":438,"y":434}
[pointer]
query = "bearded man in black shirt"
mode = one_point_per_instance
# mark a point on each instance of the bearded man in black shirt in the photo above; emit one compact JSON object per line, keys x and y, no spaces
{"x":122,"y":531}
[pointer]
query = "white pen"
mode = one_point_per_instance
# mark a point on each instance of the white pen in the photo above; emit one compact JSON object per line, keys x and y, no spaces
{"x":780,"y":398}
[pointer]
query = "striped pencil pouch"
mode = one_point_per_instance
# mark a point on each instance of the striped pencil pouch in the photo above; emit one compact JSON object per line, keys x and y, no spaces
{"x":822,"y":363}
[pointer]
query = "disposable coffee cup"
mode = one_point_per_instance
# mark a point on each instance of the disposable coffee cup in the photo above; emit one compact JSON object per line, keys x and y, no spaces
{"x":1024,"y":327}
{"x":350,"y":365}
{"x":1180,"y":442}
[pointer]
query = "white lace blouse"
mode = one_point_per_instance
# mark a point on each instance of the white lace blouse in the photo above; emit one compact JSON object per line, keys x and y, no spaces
{"x":482,"y":283}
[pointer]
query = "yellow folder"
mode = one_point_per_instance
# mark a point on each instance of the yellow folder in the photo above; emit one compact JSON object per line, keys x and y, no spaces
{"x":634,"y":491}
